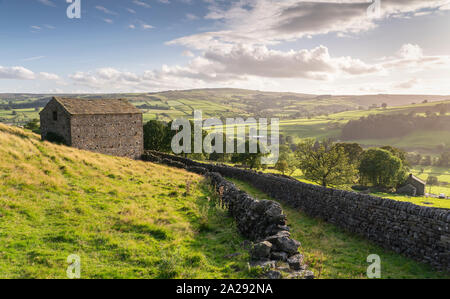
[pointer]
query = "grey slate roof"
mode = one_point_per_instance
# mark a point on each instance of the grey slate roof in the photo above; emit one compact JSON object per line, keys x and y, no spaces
{"x":98,"y":106}
{"x":417,"y":179}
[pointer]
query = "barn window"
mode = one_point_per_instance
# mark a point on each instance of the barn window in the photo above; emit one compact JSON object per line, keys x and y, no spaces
{"x":55,"y":115}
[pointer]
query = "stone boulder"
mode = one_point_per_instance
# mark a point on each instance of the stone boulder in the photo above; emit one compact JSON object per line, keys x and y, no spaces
{"x":261,"y":251}
{"x":296,"y":262}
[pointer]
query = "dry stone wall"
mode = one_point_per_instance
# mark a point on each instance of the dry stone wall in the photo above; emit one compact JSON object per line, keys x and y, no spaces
{"x":422,"y":233}
{"x":261,"y":221}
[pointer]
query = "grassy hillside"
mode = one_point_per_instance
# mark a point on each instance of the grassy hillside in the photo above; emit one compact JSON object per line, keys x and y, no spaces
{"x":333,"y":253}
{"x":124,"y":218}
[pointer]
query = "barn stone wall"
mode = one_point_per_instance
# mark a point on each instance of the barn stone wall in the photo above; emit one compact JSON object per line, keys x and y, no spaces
{"x":60,"y":127}
{"x":112,"y":134}
{"x":420,"y":188}
{"x":422,"y":233}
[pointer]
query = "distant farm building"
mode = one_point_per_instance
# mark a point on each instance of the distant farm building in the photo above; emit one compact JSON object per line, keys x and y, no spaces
{"x":112,"y":127}
{"x":418,"y":184}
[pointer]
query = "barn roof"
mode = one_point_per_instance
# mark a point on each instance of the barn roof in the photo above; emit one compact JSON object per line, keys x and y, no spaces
{"x":97,"y":106}
{"x":417,"y":179}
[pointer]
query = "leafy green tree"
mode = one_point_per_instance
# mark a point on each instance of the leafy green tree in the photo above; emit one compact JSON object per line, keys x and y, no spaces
{"x":427,"y":161}
{"x":444,"y":159}
{"x":325,"y":163}
{"x":34,"y":126}
{"x":401,"y":154}
{"x":287,"y":162}
{"x":353,"y":151}
{"x":381,"y":168}
{"x":432,"y":181}
{"x":252,"y":160}
{"x":282,"y":166}
{"x":154,"y":135}
{"x":220,"y":157}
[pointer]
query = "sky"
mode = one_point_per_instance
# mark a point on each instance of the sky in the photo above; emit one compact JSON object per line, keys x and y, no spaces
{"x":315,"y":46}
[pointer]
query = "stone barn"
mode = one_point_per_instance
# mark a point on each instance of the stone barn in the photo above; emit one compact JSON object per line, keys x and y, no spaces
{"x":418,"y":184}
{"x":107,"y":126}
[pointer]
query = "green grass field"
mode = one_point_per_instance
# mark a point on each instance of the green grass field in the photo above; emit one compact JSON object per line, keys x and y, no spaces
{"x":323,"y":127}
{"x":124,"y":218}
{"x":442,"y":174}
{"x":333,"y":253}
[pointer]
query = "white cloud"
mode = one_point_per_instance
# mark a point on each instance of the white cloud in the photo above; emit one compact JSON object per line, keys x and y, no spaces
{"x":47,"y":2}
{"x":407,"y":84}
{"x":16,"y":72}
{"x":105,"y":10}
{"x":410,"y":51}
{"x":259,"y":61}
{"x":48,"y":76}
{"x":258,"y":65}
{"x":33,"y":58}
{"x":141,"y":3}
{"x":145,"y":26}
{"x":412,"y":57}
{"x":187,"y":53}
{"x":21,"y":73}
{"x":268,"y":22}
{"x":191,"y":17}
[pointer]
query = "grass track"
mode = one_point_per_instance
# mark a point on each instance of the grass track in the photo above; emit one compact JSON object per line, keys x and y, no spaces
{"x":333,"y":253}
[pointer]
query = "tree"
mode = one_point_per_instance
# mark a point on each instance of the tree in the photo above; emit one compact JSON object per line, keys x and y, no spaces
{"x":384,"y":105}
{"x":252,"y":160}
{"x":287,"y":163}
{"x":414,"y":158}
{"x":154,"y":135}
{"x":282,"y":166}
{"x":401,"y":154}
{"x":353,"y":151}
{"x":432,"y":181}
{"x":427,"y":161}
{"x":444,"y":159}
{"x":381,"y":168}
{"x":325,"y":163}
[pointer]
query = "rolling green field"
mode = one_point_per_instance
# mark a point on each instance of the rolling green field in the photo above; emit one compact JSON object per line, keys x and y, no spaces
{"x":329,"y":126}
{"x":301,"y":115}
{"x":331,"y":252}
{"x":418,"y":200}
{"x":124,"y":218}
{"x":225,"y":102}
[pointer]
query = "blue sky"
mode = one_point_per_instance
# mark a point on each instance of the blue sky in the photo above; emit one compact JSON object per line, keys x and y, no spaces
{"x":317,"y":47}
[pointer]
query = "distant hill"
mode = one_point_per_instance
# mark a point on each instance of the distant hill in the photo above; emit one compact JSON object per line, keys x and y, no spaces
{"x":426,"y":139}
{"x":221,"y":102}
